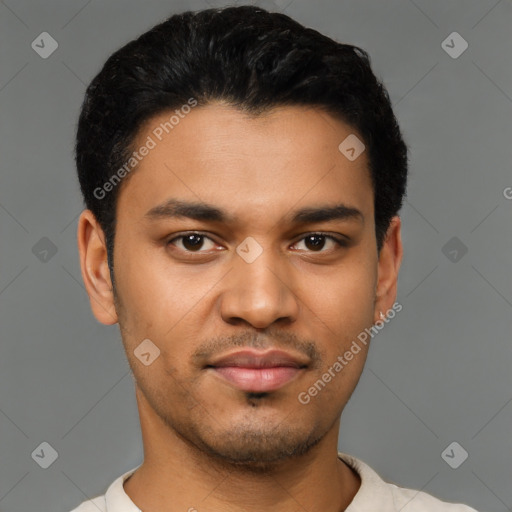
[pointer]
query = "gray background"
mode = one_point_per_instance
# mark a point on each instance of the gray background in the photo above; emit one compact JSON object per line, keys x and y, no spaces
{"x":438,"y":373}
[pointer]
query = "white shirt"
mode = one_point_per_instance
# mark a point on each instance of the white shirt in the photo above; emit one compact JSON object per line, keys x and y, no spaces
{"x":374,"y":495}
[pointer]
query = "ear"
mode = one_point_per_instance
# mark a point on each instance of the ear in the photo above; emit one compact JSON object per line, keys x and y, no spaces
{"x":390,"y":258}
{"x":94,"y":266}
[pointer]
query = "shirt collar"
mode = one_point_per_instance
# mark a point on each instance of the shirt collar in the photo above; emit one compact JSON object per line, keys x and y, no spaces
{"x":116,"y":498}
{"x":371,"y":491}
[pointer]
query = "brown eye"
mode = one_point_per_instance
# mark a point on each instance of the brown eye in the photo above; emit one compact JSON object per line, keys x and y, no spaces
{"x":315,"y":242}
{"x":191,"y":242}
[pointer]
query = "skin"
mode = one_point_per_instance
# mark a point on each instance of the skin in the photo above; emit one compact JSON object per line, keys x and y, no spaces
{"x":207,"y":444}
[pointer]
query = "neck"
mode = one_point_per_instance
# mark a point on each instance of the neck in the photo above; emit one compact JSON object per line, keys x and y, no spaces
{"x":177,"y":476}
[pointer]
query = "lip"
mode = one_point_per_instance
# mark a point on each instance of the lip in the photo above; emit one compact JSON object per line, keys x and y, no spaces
{"x":255,"y":371}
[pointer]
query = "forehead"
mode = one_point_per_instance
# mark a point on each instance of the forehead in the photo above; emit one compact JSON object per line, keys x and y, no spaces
{"x":252,"y":167}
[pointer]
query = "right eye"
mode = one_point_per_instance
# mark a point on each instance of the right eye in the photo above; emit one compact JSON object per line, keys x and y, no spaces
{"x":190,"y":242}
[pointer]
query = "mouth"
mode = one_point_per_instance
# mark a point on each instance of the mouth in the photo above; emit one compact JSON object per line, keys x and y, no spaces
{"x":258,"y":372}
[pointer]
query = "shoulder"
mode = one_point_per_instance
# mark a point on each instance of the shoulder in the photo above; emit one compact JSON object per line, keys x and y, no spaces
{"x":114,"y":500}
{"x":375,"y":493}
{"x":410,"y":500}
{"x":95,"y":505}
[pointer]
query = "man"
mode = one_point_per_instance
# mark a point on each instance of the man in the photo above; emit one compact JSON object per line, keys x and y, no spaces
{"x":243,"y":176}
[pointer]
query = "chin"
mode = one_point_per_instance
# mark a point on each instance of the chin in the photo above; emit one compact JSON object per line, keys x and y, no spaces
{"x":257,"y":450}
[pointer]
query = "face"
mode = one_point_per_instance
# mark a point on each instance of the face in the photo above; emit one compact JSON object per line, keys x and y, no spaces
{"x":253,"y":291}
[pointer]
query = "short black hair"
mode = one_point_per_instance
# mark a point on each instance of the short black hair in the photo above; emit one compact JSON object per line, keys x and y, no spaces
{"x":253,"y":59}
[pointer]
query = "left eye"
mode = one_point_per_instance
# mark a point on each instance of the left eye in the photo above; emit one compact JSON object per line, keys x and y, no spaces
{"x":315,"y":242}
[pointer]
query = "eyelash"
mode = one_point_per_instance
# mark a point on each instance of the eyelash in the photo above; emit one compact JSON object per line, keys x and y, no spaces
{"x":341,"y":242}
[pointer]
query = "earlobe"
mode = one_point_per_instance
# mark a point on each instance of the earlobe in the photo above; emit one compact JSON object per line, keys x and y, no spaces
{"x":94,"y":267}
{"x":390,"y":259}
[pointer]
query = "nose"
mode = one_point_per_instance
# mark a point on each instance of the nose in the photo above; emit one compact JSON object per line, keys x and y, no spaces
{"x":259,"y":293}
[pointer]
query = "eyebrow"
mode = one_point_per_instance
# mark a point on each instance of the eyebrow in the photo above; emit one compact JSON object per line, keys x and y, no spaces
{"x":175,"y":208}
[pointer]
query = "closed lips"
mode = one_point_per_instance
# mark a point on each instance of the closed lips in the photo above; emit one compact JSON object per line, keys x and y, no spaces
{"x":250,"y":371}
{"x":250,"y":359}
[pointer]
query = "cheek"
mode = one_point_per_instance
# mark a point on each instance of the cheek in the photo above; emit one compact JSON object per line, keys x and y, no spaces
{"x":166,"y":304}
{"x":342,"y":308}
{"x":156,"y":294}
{"x":344,"y":299}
